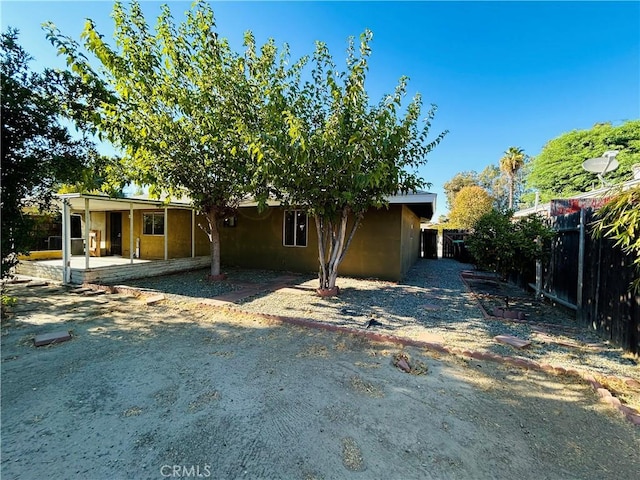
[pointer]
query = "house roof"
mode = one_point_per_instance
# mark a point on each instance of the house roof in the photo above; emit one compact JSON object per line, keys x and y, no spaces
{"x":100,"y":202}
{"x":423,"y":204}
{"x":545,"y":208}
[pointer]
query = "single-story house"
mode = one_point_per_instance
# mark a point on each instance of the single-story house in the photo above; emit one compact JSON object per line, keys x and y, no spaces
{"x":114,"y":239}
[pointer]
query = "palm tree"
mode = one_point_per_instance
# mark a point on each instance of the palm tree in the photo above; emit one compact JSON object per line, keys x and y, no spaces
{"x":512,"y":161}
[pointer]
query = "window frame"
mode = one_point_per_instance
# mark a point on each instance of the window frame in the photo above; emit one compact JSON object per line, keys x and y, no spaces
{"x":295,"y":229}
{"x":153,"y":223}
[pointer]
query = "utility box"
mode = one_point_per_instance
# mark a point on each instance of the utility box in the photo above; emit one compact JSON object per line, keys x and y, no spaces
{"x":77,"y":246}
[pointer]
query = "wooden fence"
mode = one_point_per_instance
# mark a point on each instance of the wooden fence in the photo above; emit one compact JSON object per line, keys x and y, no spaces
{"x":592,"y":276}
{"x":453,"y":245}
{"x":429,"y":243}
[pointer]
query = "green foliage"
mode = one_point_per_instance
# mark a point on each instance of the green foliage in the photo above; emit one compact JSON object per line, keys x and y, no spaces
{"x":186,"y":110}
{"x":619,"y":220}
{"x":38,"y":153}
{"x":469,"y":205}
{"x":342,"y":155}
{"x":504,"y":246}
{"x":8,"y":300}
{"x":457,"y":183}
{"x":491,"y":179}
{"x":557,"y":171}
{"x":495,"y":182}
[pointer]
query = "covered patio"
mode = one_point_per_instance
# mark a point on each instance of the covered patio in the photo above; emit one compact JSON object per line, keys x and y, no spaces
{"x":121,"y":239}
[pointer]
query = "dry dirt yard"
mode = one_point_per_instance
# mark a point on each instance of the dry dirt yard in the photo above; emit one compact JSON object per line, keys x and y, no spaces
{"x":173,"y":391}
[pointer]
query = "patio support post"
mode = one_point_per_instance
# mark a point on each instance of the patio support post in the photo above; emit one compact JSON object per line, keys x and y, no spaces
{"x":87,"y":232}
{"x":166,"y":233}
{"x":193,"y":233}
{"x":66,"y":242}
{"x":131,"y":233}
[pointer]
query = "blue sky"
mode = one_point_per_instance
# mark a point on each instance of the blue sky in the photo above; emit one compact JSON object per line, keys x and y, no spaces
{"x":501,"y":73}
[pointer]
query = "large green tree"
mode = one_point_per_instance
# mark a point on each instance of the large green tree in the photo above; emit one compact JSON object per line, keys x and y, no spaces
{"x":490,"y":178}
{"x":510,"y":164}
{"x":38,"y":151}
{"x":457,"y":183}
{"x":470,"y":204}
{"x":183,"y":109}
{"x":557,"y":171}
{"x":342,"y":155}
{"x":497,"y":184}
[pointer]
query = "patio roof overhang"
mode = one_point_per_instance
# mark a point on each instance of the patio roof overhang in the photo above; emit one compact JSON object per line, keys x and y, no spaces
{"x":103,"y":203}
{"x":423,"y":204}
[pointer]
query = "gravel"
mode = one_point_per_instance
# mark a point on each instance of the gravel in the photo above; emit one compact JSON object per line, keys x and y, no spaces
{"x":431,"y":303}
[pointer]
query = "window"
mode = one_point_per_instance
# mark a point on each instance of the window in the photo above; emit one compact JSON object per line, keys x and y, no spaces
{"x":153,"y":223}
{"x":295,"y":228}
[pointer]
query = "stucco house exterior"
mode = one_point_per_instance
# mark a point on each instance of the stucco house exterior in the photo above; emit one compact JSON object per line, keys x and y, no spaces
{"x":114,"y":239}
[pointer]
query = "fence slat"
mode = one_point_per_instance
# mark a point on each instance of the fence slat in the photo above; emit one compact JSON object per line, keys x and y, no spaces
{"x":602,"y":291}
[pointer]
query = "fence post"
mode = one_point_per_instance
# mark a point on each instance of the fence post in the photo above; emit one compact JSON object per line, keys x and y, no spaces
{"x":580,"y":265}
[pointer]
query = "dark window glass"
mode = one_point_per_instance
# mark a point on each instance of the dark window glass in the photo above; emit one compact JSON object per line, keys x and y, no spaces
{"x":301,"y":229}
{"x":147,"y":220}
{"x":153,"y":223}
{"x":289,"y":228}
{"x":295,"y":228}
{"x":158,"y":224}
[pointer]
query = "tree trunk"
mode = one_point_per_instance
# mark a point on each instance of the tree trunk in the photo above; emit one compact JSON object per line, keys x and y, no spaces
{"x":332,"y":247}
{"x":212,"y":214}
{"x":511,"y":189}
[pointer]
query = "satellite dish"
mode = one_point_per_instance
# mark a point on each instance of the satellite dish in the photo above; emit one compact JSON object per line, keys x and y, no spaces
{"x":602,"y":165}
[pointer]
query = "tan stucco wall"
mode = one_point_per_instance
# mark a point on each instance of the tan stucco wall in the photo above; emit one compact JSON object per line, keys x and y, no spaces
{"x":178,"y":225}
{"x":41,"y":255}
{"x":410,"y":239}
{"x":256,"y":242}
{"x":97,"y":222}
{"x":385,"y":245}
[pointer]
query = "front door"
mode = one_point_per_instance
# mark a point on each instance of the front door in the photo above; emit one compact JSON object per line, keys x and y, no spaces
{"x":115,"y":220}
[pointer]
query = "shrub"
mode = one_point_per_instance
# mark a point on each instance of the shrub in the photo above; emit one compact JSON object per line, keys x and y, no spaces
{"x":504,"y":246}
{"x":619,"y":220}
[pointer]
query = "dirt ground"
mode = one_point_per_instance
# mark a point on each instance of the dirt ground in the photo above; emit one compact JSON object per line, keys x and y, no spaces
{"x":171,"y":391}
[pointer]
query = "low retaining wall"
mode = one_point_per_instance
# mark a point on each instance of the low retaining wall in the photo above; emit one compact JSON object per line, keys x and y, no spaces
{"x":114,"y":273}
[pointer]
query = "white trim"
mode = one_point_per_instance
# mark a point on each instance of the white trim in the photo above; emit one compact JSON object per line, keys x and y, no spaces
{"x":66,"y":242}
{"x":166,"y":233}
{"x":164,"y":223}
{"x":87,"y":233}
{"x":131,"y":233}
{"x":193,"y":233}
{"x":295,"y":228}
